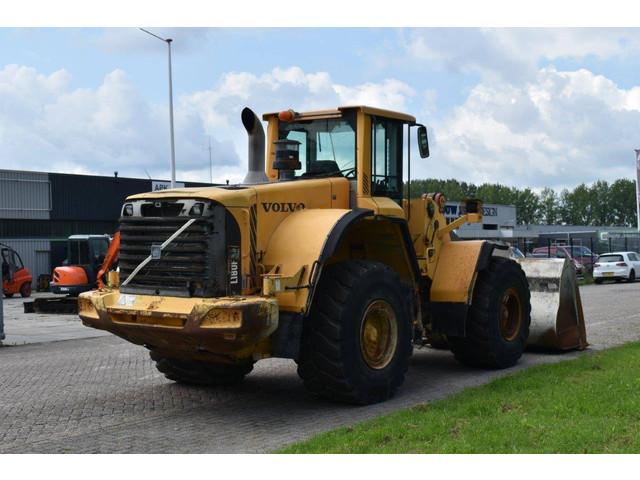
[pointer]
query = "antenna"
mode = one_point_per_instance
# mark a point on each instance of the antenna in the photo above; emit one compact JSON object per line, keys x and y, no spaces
{"x":145,"y":171}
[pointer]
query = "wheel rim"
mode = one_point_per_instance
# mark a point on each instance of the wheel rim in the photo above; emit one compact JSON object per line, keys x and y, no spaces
{"x":378,"y":334}
{"x":510,"y":315}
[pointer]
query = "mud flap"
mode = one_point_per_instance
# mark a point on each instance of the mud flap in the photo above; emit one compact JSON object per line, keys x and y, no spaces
{"x":557,"y":319}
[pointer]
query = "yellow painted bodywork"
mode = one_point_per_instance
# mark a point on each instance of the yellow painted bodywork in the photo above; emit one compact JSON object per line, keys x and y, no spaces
{"x":451,"y":266}
{"x":199,"y":328}
{"x":288,"y":223}
{"x":296,"y":244}
{"x":455,"y":272}
{"x":379,"y":239}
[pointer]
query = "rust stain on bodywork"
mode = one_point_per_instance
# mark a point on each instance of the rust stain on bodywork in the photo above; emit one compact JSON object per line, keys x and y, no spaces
{"x":229,"y":327}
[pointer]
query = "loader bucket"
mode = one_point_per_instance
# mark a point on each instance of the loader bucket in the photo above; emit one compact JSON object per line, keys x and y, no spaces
{"x":557,"y":320}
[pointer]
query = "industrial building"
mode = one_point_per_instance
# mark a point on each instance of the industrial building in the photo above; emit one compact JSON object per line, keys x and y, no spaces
{"x":500,"y":223}
{"x":38,"y":211}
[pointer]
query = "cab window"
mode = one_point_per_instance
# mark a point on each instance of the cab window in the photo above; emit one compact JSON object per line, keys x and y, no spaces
{"x":17,"y":261}
{"x":386,"y":161}
{"x":99,"y":247}
{"x":78,"y":252}
{"x":327,"y":146}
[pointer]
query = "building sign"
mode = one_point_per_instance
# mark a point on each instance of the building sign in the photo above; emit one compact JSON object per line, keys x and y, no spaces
{"x":451,"y":211}
{"x":157,"y":186}
{"x":490,"y":211}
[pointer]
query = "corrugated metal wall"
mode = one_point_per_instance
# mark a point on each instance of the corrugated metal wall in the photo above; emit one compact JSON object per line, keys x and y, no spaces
{"x":92,"y":198}
{"x":24,"y":195}
{"x":52,"y":228}
{"x":89,"y":198}
{"x":34,"y":254}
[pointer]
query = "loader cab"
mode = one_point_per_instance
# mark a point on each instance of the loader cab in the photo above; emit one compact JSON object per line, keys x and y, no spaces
{"x":365,"y":145}
{"x":88,"y":252}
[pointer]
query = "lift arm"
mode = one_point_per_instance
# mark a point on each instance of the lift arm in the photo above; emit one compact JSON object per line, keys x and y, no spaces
{"x":110,"y":258}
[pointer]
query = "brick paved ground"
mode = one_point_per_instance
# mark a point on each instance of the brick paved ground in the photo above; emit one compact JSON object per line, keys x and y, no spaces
{"x":104,"y":395}
{"x":24,"y":328}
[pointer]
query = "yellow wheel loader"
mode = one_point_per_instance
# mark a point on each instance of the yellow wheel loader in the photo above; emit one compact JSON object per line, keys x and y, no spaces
{"x":318,"y":256}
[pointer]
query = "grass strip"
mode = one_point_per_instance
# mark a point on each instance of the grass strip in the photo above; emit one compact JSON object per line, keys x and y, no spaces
{"x":586,"y":405}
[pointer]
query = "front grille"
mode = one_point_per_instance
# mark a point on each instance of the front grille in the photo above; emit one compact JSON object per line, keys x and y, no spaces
{"x":193,"y":265}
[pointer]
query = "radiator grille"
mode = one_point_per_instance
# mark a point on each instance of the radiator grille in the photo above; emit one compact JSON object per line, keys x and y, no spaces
{"x":193,"y":265}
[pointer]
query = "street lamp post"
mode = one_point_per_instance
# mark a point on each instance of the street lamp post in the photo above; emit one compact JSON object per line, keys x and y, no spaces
{"x":173,"y":148}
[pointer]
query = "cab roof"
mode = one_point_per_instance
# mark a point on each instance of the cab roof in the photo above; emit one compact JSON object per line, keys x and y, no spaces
{"x":336,"y":113}
{"x":87,"y":237}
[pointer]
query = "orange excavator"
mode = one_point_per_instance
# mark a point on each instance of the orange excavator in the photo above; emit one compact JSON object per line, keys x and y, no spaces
{"x":79,"y":272}
{"x":89,"y":258}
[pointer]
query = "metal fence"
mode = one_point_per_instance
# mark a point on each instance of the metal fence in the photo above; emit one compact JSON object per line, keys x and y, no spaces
{"x":597,"y":244}
{"x":619,"y":243}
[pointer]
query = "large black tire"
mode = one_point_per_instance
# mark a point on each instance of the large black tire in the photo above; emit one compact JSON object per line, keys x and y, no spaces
{"x":195,"y":372}
{"x":489,"y":343}
{"x":338,"y":359}
{"x":632,"y":276}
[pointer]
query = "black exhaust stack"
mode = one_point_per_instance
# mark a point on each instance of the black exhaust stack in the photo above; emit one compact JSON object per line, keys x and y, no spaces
{"x":256,"y":147}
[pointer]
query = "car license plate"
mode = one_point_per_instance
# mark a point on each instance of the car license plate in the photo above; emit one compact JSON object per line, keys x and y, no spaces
{"x":607,"y":274}
{"x":64,"y":289}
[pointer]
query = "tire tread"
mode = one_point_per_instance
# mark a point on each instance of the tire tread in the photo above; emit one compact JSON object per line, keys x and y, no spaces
{"x":322,"y":365}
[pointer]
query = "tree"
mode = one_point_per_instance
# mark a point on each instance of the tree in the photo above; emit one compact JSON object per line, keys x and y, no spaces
{"x":622,"y":203}
{"x":496,"y":193}
{"x":452,"y":189}
{"x":549,"y":206}
{"x":600,"y":203}
{"x":527,"y":206}
{"x":577,"y":207}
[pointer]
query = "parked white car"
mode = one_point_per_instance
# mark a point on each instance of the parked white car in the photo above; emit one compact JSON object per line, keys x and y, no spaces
{"x":617,"y":266}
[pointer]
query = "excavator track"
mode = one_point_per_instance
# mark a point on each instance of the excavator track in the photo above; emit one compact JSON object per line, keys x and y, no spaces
{"x":62,"y":305}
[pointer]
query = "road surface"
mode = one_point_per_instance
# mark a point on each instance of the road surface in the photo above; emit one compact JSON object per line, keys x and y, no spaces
{"x":104,"y":395}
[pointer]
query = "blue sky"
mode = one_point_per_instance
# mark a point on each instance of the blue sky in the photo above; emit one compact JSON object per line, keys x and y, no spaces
{"x":201,"y":56}
{"x":527,"y":107}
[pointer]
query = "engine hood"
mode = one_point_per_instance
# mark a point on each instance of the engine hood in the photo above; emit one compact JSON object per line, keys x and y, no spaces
{"x":243,"y":195}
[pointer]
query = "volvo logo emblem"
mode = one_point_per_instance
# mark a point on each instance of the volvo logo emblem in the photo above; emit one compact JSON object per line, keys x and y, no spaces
{"x":283,"y":207}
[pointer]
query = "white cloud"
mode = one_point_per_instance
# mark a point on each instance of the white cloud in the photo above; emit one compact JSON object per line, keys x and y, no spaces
{"x":558,"y":130}
{"x":46,"y":125}
{"x":391,"y":94}
{"x":513,"y":53}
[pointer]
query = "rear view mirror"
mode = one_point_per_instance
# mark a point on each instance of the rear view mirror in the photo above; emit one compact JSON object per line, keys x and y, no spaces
{"x":423,"y":141}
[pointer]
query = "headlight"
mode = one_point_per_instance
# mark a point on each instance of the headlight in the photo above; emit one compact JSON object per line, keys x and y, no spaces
{"x":196,"y":209}
{"x":127,"y":210}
